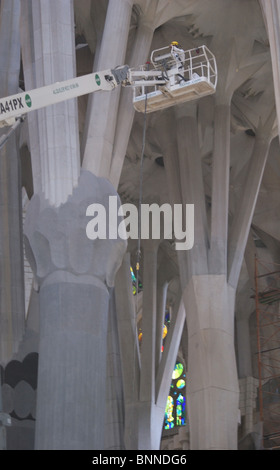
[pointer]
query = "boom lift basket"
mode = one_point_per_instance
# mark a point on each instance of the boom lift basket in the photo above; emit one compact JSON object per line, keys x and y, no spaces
{"x":174,"y":82}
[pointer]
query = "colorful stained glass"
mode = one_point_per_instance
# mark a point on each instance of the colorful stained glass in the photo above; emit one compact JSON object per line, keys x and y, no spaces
{"x":169,"y":418}
{"x":178,"y":370}
{"x":180,"y":384}
{"x":134,"y":282}
{"x":175,"y":411}
{"x":132,"y":274}
{"x":180,"y":410}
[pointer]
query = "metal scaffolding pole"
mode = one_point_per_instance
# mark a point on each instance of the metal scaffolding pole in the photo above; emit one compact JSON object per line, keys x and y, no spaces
{"x":267,"y":298}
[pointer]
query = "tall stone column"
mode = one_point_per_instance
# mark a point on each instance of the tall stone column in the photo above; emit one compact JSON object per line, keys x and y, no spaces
{"x":12,"y":305}
{"x":74,"y":274}
{"x":148,"y":424}
{"x":49,"y":56}
{"x":100,"y":127}
{"x":220,"y":187}
{"x":213,"y":392}
{"x":114,"y":412}
{"x":209,"y":302}
{"x":139,"y":56}
{"x":212,"y":389}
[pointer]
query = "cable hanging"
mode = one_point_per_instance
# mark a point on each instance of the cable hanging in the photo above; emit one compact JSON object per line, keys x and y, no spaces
{"x":138,"y":258}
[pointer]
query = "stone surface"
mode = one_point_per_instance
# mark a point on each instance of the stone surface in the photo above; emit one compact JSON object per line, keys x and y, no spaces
{"x":207,"y":152}
{"x":73,"y":276}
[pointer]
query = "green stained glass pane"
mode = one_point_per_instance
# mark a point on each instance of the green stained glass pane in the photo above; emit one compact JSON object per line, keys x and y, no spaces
{"x":169,"y":418}
{"x":178,"y":370}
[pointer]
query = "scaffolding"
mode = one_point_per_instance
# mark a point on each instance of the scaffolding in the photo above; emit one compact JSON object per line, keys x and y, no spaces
{"x":267,"y":296}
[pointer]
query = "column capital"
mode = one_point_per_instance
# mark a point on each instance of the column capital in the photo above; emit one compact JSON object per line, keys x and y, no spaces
{"x":56,"y":238}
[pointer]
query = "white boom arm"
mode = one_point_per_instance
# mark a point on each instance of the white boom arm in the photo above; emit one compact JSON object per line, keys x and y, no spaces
{"x":167,"y":84}
{"x":14,"y":106}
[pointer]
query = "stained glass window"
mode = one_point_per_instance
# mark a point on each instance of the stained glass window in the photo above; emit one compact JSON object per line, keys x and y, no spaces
{"x":164,"y":330}
{"x":134,"y":282}
{"x":175,"y":410}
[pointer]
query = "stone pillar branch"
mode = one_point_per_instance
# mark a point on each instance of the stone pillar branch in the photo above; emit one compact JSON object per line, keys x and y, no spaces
{"x":147,"y":376}
{"x":170,"y":352}
{"x":161,"y":304}
{"x":244,"y":212}
{"x":193,"y":189}
{"x":126,"y":112}
{"x":100,"y":128}
{"x":167,"y":136}
{"x":220,"y":190}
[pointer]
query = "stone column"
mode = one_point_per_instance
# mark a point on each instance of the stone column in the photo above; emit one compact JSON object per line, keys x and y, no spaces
{"x":11,"y":248}
{"x":74,"y":274}
{"x":129,"y":351}
{"x":220,"y":188}
{"x":147,"y":423}
{"x":139,"y":56}
{"x":114,"y":409}
{"x":244,"y":212}
{"x":100,"y":127}
{"x":209,"y":301}
{"x":212,"y":391}
{"x":49,"y":57}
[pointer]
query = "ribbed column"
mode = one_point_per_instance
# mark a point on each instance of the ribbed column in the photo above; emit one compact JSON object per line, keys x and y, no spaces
{"x":212,"y":391}
{"x":56,"y":143}
{"x":114,"y":426}
{"x":11,"y":251}
{"x":100,"y":127}
{"x":73,"y":274}
{"x":72,"y":365}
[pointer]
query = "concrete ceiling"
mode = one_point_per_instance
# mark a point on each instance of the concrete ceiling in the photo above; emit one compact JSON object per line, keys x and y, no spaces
{"x":235,"y":32}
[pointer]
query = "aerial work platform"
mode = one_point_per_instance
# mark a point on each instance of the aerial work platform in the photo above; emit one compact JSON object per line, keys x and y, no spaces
{"x":175,"y":81}
{"x":168,"y":80}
